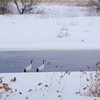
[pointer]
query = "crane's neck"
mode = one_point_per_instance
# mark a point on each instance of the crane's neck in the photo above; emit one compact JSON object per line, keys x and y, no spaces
{"x":43,"y":61}
{"x":31,"y":62}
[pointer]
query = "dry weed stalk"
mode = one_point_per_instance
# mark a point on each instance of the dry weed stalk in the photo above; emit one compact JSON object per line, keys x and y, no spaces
{"x":48,"y":63}
{"x":30,"y":90}
{"x":14,"y":79}
{"x":5,"y":88}
{"x":91,"y":86}
{"x":55,"y":84}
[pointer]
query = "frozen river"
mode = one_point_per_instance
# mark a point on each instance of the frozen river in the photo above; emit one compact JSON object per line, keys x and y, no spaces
{"x":69,"y":60}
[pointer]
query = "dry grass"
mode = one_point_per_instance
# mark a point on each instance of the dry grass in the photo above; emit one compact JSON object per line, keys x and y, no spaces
{"x":6,"y":87}
{"x":54,"y":84}
{"x":70,"y":2}
{"x":67,"y":1}
{"x":90,"y":83}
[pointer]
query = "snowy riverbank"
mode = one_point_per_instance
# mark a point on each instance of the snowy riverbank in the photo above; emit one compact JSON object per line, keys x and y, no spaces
{"x":49,"y":85}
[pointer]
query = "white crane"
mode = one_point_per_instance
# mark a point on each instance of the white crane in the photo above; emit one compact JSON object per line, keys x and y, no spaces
{"x":39,"y":69}
{"x":28,"y":68}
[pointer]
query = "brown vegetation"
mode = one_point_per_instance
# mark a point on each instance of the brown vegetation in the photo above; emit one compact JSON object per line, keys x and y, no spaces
{"x":91,"y":86}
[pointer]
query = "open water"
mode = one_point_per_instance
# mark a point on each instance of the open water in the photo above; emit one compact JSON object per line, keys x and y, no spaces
{"x":69,"y":60}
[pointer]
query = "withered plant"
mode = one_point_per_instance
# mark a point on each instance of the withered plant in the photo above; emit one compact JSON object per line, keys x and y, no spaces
{"x":4,"y":6}
{"x":54,"y":84}
{"x":6,"y":87}
{"x":90,"y":82}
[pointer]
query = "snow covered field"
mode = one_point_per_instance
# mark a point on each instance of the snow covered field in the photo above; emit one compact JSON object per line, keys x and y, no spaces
{"x":54,"y":31}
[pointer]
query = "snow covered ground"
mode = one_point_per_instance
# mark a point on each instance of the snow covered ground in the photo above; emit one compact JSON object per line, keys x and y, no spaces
{"x":46,"y":86}
{"x":22,"y":32}
{"x":66,"y":29}
{"x":51,"y":30}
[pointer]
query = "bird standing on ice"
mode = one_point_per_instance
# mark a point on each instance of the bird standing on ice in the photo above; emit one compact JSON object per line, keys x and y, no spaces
{"x":28,"y":68}
{"x":39,"y":69}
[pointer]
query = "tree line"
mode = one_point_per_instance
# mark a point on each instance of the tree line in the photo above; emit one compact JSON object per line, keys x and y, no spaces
{"x":26,"y":6}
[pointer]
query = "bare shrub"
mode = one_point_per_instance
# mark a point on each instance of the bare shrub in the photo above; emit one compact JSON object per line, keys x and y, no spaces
{"x":4,"y":6}
{"x":96,"y":4}
{"x":25,"y":6}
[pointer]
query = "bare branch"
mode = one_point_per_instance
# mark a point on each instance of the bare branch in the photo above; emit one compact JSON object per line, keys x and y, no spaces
{"x":27,"y":5}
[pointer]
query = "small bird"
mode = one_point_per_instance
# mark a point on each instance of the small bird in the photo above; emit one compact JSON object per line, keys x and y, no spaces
{"x":39,"y":69}
{"x":28,"y":68}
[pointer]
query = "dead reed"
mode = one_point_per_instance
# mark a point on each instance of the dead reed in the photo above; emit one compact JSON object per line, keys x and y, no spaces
{"x":6,"y":87}
{"x":90,"y":82}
